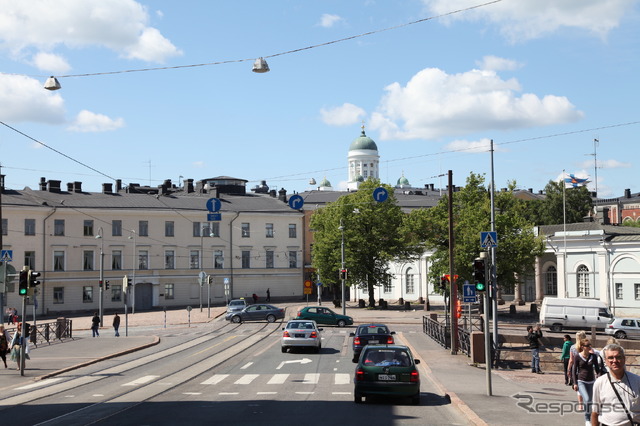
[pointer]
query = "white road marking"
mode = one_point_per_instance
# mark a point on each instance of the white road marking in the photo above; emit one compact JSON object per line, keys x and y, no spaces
{"x":97,"y":394}
{"x":141,"y":381}
{"x":311,"y":378}
{"x":304,"y":393}
{"x":217,"y":378}
{"x":301,"y":361}
{"x":246,"y":379}
{"x":340,"y":393}
{"x":228,"y":393}
{"x":266,"y":393}
{"x":69,"y":396}
{"x":247,"y":365}
{"x":40,"y":383}
{"x":191,"y":393}
{"x":278,"y":379}
{"x":342,"y":379}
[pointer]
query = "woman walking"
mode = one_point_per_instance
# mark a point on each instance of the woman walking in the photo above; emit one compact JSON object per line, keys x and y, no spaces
{"x":16,"y":347}
{"x":4,"y":344}
{"x":585,"y":370}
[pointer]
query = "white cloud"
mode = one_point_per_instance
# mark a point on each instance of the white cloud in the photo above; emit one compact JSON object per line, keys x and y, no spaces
{"x":23,"y":99}
{"x":87,"y":121}
{"x":495,"y":63}
{"x":435,"y":104}
{"x":344,"y":115}
{"x":606,"y":164}
{"x":51,"y":62}
{"x":529,"y":19}
{"x":119,"y":25}
{"x":481,"y":146}
{"x":327,"y":20}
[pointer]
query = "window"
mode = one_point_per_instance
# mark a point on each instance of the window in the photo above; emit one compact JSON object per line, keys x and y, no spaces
{"x":87,"y":294}
{"x":619,"y":291}
{"x":387,"y":286}
{"x":246,"y":259}
{"x":58,"y":261}
{"x":169,"y":259}
{"x":30,"y":259}
{"x":168,"y":291}
{"x":87,"y":229}
{"x":116,"y":293}
{"x":58,"y":227}
{"x":143,"y":259}
{"x":269,"y":259}
{"x":551,"y":278}
{"x":116,"y":228}
{"x":29,"y":227}
{"x":246,"y":232}
{"x":196,"y":229}
{"x":582,"y":278}
{"x":116,"y":260}
{"x":5,"y":226}
{"x":214,"y":229}
{"x":169,"y":228}
{"x":58,"y":295}
{"x":87,"y":260}
{"x":293,"y":259}
{"x":636,"y":291}
{"x":292,"y":230}
{"x":269,"y":230}
{"x":218,"y":259}
{"x":143,"y":228}
{"x":194,"y":259}
{"x":409,"y":283}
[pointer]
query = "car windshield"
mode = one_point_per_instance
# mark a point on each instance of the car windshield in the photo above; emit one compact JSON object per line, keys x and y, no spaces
{"x":236,"y":303}
{"x":301,"y":325}
{"x":373,"y":329}
{"x":387,"y":357}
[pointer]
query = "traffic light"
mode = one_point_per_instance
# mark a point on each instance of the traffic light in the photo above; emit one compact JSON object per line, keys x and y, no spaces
{"x":343,"y":274}
{"x":100,"y":284}
{"x":443,"y":283}
{"x":23,"y":285}
{"x":458,"y":308}
{"x":33,"y":279}
{"x":126,"y":282}
{"x":479,"y":274}
{"x":26,"y":329}
{"x":209,"y":279}
{"x":106,"y":285}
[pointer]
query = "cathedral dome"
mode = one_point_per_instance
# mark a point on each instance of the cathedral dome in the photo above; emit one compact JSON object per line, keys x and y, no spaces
{"x":363,"y":142}
{"x":402,"y":182}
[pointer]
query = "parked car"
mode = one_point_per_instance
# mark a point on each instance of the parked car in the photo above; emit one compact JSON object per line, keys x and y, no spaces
{"x":624,"y":328}
{"x":301,"y":334}
{"x":370,"y":334}
{"x":387,"y":370}
{"x":323,"y":315}
{"x":577,"y":313}
{"x":258,"y":312}
{"x":236,"y":305}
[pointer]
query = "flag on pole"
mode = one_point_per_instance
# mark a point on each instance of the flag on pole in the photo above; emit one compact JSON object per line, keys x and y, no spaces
{"x":573,"y":181}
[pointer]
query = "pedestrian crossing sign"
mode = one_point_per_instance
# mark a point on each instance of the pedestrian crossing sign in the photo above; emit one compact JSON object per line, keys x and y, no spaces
{"x":489,"y":239}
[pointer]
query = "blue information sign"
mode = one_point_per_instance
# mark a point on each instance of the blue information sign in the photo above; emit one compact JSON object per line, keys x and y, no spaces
{"x":469,"y":293}
{"x":214,"y":217}
{"x":213,"y":204}
{"x":380,"y":194}
{"x":296,"y":202}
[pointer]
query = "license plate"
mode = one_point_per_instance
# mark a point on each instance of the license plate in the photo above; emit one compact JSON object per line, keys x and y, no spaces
{"x":373,"y":342}
{"x":386,"y":377}
{"x":301,"y":336}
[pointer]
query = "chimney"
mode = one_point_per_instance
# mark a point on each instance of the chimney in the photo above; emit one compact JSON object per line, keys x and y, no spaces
{"x":282,"y":195}
{"x":531,"y":190}
{"x":77,"y":186}
{"x":53,"y":186}
{"x":43,"y":184}
{"x":118,"y":185}
{"x":189,"y":186}
{"x":107,"y":188}
{"x":273,"y":193}
{"x":69,"y":186}
{"x":627,"y":193}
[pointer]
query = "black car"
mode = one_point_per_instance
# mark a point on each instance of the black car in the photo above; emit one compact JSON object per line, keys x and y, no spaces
{"x":370,"y":334}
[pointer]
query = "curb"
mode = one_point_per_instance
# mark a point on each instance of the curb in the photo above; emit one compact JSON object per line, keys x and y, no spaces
{"x":96,"y":360}
{"x":452,"y":397}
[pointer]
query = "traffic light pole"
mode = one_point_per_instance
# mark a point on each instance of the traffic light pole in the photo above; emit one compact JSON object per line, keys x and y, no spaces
{"x":23,"y":346}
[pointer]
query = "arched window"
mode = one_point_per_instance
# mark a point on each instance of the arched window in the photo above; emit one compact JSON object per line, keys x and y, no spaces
{"x":551,"y":279}
{"x":409,"y":287}
{"x":582,"y":278}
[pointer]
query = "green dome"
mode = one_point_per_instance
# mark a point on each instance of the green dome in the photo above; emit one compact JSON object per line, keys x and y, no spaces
{"x":363,"y":142}
{"x":360,"y":178}
{"x":403,"y":181}
{"x":325,"y":182}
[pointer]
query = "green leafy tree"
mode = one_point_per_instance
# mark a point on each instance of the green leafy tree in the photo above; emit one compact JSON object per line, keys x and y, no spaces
{"x":576,"y":202}
{"x":374,"y":235}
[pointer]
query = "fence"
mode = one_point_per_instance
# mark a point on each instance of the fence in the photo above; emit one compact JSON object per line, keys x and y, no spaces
{"x":437,"y":328}
{"x":47,"y":332}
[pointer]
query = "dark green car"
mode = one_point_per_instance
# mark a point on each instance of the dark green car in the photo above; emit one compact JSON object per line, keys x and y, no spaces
{"x":387,"y":370}
{"x":323,"y":315}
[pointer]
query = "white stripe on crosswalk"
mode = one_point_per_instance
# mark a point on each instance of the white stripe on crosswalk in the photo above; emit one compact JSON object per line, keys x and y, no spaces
{"x":278,"y":379}
{"x":311,"y":378}
{"x":342,"y":379}
{"x":141,"y":381}
{"x":246,"y":379}
{"x":40,"y":383}
{"x":217,"y":378}
{"x":266,"y":393}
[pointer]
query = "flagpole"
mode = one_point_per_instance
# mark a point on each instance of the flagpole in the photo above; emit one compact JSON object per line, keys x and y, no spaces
{"x":564,"y":227}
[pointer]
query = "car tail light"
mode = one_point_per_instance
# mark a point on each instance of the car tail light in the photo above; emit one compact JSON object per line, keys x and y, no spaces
{"x":299,"y":314}
{"x":415,"y":377}
{"x":313,"y":335}
{"x":286,"y":334}
{"x":390,"y":340}
{"x":359,"y":374}
{"x":356,"y":341}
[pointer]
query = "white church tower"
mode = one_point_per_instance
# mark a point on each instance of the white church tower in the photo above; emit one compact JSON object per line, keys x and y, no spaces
{"x":364,"y":161}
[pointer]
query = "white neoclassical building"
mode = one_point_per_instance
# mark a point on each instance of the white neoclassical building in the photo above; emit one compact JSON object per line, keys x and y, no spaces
{"x":364,"y":160}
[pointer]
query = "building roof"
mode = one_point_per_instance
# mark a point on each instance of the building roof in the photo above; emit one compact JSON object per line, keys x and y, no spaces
{"x":608,"y":232}
{"x":363,"y":142}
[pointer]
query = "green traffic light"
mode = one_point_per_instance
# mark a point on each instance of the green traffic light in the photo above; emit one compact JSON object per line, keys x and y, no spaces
{"x":480,"y":287}
{"x":23,"y":291}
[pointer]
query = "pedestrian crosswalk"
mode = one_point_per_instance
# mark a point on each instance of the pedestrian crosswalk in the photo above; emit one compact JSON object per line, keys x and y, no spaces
{"x":280,"y":379}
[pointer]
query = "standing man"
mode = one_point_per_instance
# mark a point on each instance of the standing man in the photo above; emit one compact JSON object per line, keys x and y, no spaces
{"x":116,"y":324}
{"x":95,"y":324}
{"x":616,"y":395}
{"x":533,"y":336}
{"x":268,"y":295}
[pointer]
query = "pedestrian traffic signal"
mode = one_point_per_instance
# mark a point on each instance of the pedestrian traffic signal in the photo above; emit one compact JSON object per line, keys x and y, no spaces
{"x":343,"y":274}
{"x":33,"y":279}
{"x":106,"y":285}
{"x":443,"y":282}
{"x":23,"y":284}
{"x":26,"y":329}
{"x":479,"y":274}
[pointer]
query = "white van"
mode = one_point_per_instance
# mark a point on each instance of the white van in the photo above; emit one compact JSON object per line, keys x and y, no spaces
{"x":576,"y":313}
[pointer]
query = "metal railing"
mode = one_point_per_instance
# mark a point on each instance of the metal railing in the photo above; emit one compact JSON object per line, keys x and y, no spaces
{"x":48,"y":332}
{"x":437,"y":331}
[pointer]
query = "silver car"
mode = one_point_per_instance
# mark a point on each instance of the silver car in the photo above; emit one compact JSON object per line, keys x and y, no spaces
{"x":257,"y":312}
{"x":301,"y":333}
{"x":623,"y":328}
{"x":236,"y":305}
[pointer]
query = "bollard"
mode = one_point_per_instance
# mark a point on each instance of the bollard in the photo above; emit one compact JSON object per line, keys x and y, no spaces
{"x":407,"y":305}
{"x":360,"y":303}
{"x":512,"y":309}
{"x":533,"y":308}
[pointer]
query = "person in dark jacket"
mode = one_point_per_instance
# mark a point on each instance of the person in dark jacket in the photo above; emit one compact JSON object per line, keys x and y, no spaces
{"x":95,"y":325}
{"x":533,"y":336}
{"x":116,"y":324}
{"x":584,"y":372}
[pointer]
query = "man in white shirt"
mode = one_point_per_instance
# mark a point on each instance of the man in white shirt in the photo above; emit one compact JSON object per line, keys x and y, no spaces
{"x":616,"y":395}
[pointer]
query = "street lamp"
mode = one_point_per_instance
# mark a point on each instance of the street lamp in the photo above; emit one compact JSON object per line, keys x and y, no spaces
{"x":202,"y":272}
{"x":100,"y":309}
{"x":133,"y":274}
{"x":344,"y":308}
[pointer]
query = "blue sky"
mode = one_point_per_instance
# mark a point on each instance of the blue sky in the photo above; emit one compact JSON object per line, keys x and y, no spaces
{"x":542,"y":78}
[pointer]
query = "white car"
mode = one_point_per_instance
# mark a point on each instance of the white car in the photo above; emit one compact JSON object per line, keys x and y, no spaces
{"x":236,"y":305}
{"x":301,"y":333}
